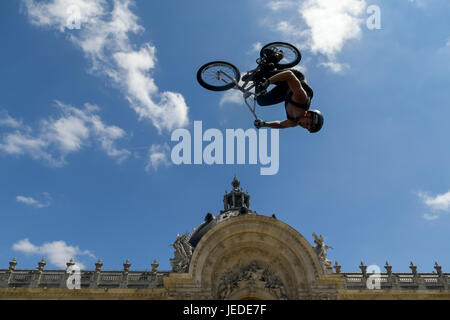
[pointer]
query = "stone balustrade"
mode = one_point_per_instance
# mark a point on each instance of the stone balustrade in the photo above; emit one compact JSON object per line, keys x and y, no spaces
{"x":40,"y":278}
{"x":396,"y":281}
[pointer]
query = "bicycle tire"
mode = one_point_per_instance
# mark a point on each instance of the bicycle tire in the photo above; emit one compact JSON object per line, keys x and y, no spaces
{"x":297,"y":56}
{"x":208,"y":77}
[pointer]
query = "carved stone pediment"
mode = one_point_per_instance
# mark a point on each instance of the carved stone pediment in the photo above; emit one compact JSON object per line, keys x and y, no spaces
{"x":255,"y":276}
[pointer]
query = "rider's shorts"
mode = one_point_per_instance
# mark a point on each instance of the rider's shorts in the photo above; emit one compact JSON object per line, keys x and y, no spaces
{"x":281,"y":91}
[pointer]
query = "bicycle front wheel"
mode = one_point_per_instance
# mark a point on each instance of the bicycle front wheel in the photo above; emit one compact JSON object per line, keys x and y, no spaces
{"x":218,"y":76}
{"x":291,"y":55}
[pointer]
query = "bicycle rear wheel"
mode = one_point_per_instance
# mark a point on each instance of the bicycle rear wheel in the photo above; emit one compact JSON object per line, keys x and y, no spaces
{"x":292,"y":55}
{"x":218,"y":76}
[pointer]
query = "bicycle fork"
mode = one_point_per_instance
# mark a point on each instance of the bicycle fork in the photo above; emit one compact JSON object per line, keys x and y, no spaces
{"x":246,"y":92}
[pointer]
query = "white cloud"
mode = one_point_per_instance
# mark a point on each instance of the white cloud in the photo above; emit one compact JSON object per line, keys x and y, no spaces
{"x":7,"y":121}
{"x":45,"y":202}
{"x":441,"y":202}
{"x":158,"y":156}
{"x":303,"y":69}
{"x":323,"y":26}
{"x":430,"y":217}
{"x":335,"y":66}
{"x":69,"y":133}
{"x":419,"y":3}
{"x":19,"y":143}
{"x":56,"y":138}
{"x":57,"y":252}
{"x":332,"y":23}
{"x":280,"y":5}
{"x":437,"y":204}
{"x":63,"y":13}
{"x":256,"y":47}
{"x":231,"y":96}
{"x":104,"y":38}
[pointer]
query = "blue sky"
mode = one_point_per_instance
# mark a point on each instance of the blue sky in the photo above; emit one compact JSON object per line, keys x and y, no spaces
{"x":86,"y":117}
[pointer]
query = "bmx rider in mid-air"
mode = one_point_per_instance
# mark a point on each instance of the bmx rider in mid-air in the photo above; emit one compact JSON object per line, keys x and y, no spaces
{"x":290,"y":87}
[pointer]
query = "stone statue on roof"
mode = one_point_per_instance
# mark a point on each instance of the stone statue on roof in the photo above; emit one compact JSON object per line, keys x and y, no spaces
{"x":183,"y":254}
{"x":321,"y":250}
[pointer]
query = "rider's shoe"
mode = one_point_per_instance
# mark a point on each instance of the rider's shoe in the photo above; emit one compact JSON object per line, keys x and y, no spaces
{"x":265,"y":83}
{"x":261,"y":87}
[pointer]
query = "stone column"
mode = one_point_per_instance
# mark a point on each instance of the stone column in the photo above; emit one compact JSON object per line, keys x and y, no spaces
{"x":391,"y":277}
{"x":417,"y":278}
{"x":154,"y":275}
{"x":155,"y":266}
{"x":9,"y":274}
{"x":96,"y":277}
{"x":364,"y":273}
{"x":337,"y":267}
{"x":126,"y":270}
{"x":37,"y":274}
{"x":441,"y":278}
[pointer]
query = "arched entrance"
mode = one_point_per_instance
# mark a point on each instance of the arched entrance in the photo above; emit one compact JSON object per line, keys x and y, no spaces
{"x":254,"y":257}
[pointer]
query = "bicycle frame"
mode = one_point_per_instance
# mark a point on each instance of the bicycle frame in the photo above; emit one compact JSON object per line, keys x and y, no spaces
{"x":246,"y":90}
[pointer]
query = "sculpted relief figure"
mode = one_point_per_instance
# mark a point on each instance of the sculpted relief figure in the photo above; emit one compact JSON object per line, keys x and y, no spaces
{"x":321,"y":250}
{"x":253,"y":275}
{"x":183,"y":254}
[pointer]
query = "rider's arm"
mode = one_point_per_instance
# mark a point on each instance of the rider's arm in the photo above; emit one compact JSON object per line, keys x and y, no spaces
{"x":281,"y":124}
{"x":299,"y":93}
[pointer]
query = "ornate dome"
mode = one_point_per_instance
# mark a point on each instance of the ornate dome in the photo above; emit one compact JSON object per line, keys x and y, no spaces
{"x":236,"y":203}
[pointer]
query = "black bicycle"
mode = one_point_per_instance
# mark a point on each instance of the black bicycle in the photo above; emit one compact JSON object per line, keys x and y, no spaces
{"x":222,"y":75}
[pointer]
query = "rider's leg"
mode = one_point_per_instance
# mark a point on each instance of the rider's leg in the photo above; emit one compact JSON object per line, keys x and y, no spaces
{"x":299,"y":94}
{"x":274,"y":96}
{"x":300,"y":76}
{"x":308,"y":89}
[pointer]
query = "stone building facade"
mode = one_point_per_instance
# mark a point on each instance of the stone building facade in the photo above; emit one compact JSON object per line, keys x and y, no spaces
{"x":237,"y":254}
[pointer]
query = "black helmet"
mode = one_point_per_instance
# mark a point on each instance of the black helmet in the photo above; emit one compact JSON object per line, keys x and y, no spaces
{"x":316,"y":120}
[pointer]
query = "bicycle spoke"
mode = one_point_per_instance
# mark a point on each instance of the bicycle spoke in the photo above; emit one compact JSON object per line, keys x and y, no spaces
{"x":218,"y":75}
{"x":290,"y":54}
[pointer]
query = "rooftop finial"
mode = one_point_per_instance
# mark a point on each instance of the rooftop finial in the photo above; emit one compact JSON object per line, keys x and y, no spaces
{"x":155,"y":266}
{"x":438,"y":269}
{"x":41,"y":264}
{"x":126,"y":266}
{"x":99,"y":265}
{"x":236,"y":198}
{"x":388,"y":268}
{"x":413,"y":268}
{"x":235,"y":182}
{"x":337,"y":267}
{"x":12,"y":264}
